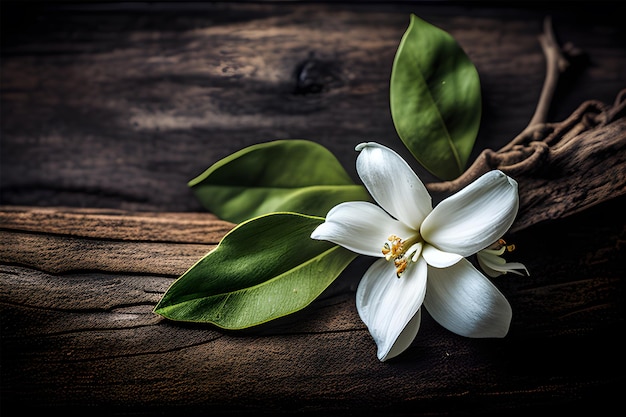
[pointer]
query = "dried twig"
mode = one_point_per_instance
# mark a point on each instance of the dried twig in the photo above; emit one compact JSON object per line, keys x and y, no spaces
{"x":550,"y":159}
{"x":556,"y":64}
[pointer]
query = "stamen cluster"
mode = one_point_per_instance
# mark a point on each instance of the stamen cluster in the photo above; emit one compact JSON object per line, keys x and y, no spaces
{"x":395,"y":249}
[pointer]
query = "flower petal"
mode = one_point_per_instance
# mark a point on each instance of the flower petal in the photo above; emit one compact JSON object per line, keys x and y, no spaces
{"x":439,"y":259}
{"x":475,"y":217}
{"x":406,"y":338}
{"x":393,"y":184}
{"x":389,"y":305}
{"x":360,"y":227}
{"x":465,"y":302}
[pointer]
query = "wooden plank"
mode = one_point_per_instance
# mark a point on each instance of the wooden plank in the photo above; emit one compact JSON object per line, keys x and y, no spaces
{"x":118,"y":224}
{"x":164,"y":244}
{"x":115,"y":107}
{"x":58,"y":254}
{"x":87,"y":341}
{"x":120,"y":107}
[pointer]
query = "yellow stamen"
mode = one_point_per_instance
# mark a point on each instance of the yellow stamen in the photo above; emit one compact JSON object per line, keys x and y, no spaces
{"x":400,"y":264}
{"x":502,"y":242}
{"x":395,"y":248}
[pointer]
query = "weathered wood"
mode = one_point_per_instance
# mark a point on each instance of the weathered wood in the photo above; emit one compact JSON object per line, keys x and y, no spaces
{"x":107,"y":106}
{"x":203,"y":228}
{"x":116,"y":106}
{"x":88,"y":341}
{"x":165,"y":244}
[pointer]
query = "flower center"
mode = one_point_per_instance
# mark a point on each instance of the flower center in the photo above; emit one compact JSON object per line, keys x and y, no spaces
{"x":402,"y":252}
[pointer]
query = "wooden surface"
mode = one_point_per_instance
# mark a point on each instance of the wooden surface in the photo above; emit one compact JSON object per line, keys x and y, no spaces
{"x":107,"y":110}
{"x":79,"y":335}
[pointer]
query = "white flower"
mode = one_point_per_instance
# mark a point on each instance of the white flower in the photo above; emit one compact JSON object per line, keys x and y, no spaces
{"x":416,"y":242}
{"x":491,"y":261}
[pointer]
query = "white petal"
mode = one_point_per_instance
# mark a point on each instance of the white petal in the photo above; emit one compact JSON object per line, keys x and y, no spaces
{"x":360,"y":227}
{"x":406,"y":338}
{"x":388,"y":305}
{"x":439,"y":259}
{"x":465,"y":302}
{"x":475,"y":217}
{"x":393,"y":184}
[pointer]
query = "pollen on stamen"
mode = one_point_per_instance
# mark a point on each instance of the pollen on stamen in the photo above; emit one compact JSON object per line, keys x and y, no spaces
{"x":509,"y":248}
{"x":400,"y":264}
{"x":393,"y":247}
{"x":387,"y":251}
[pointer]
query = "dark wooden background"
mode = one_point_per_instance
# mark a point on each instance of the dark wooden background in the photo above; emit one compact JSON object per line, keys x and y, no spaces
{"x":108,"y":109}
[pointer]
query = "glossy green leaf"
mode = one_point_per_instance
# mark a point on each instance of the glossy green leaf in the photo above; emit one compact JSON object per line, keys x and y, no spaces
{"x":435,"y":99}
{"x":285,"y":175}
{"x":264,"y":268}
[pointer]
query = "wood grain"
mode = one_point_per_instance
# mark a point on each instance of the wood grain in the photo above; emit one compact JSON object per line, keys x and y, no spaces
{"x":108,"y":109}
{"x":81,"y":335}
{"x":119,"y":107}
{"x":166,"y":244}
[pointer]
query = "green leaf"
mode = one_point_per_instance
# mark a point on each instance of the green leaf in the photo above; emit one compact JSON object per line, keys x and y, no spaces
{"x":435,"y":99}
{"x":265,"y":268}
{"x":280,"y":176}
